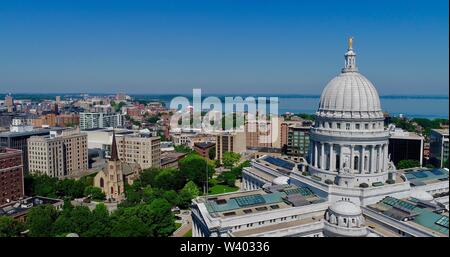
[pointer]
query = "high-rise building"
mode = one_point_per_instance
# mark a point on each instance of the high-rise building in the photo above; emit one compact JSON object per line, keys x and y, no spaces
{"x":9,"y":102}
{"x":230,"y":142}
{"x":263,"y":135}
{"x":17,"y":139}
{"x":145,"y":151}
{"x":92,"y":120}
{"x":298,"y":140}
{"x":404,"y":145}
{"x":59,"y":154}
{"x":439,"y":146}
{"x":11,"y":175}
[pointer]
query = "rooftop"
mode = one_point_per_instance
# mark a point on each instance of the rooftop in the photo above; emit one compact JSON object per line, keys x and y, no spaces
{"x":20,"y":207}
{"x":442,"y":131}
{"x":419,"y":177}
{"x":426,"y":215}
{"x":204,"y":145}
{"x":271,"y":198}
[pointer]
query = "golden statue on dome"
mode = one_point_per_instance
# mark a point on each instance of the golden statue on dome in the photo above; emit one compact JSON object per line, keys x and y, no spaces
{"x":350,"y":43}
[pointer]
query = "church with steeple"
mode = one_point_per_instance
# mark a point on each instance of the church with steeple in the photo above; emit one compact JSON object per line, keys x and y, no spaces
{"x":117,"y":173}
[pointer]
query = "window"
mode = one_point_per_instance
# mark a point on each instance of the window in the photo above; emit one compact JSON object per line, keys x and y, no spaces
{"x":338,"y":125}
{"x":347,"y":126}
{"x":357,"y":126}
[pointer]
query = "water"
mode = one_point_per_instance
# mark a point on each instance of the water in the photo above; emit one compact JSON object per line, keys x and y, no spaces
{"x":410,"y":106}
{"x":416,"y":107}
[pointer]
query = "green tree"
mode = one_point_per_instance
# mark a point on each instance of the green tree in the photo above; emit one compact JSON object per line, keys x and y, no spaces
{"x":170,"y":178}
{"x":130,"y":222}
{"x":229,"y":159}
{"x":100,"y":222}
{"x":162,"y":223}
{"x":192,"y":188}
{"x":212,"y":153}
{"x":171,"y":196}
{"x":406,"y":164}
{"x":95,"y":193}
{"x":228,"y":178}
{"x":40,"y":220}
{"x":193,"y":167}
{"x":10,"y":227}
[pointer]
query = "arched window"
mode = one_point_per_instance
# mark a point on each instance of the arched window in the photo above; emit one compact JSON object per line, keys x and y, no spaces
{"x":356,"y":163}
{"x":112,"y":190}
{"x":102,"y":183}
{"x":365,"y":163}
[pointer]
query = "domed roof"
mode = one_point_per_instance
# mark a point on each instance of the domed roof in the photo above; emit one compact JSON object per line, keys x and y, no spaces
{"x":350,"y":91}
{"x":345,"y":208}
{"x":421,"y":195}
{"x":281,"y":180}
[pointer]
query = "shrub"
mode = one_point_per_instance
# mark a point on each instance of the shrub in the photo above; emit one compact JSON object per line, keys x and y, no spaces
{"x":363,"y":185}
{"x":329,"y":181}
{"x":304,"y":173}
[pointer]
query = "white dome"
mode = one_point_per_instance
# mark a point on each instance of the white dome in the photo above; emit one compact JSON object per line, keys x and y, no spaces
{"x":350,"y":92}
{"x":282,"y":180}
{"x":345,"y":208}
{"x":421,"y":195}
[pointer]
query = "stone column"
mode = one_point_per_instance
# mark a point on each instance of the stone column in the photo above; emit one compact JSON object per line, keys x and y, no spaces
{"x":341,"y":161}
{"x":315,"y":154}
{"x":372,"y":157}
{"x":332,"y":165}
{"x":322,"y":156}
{"x":361,"y":159}
{"x":385,"y":155}
{"x":380,"y":158}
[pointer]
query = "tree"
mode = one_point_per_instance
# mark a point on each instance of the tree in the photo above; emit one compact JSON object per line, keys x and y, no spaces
{"x":183,"y":149}
{"x":189,"y":191}
{"x":129,"y":222}
{"x":162,"y":223}
{"x":100,"y":222}
{"x":229,"y":159}
{"x":171,"y":196}
{"x":228,"y":178}
{"x":193,"y":167}
{"x":40,"y":220}
{"x":406,"y":164}
{"x":192,"y":188}
{"x":212,"y":153}
{"x":170,"y":178}
{"x":10,"y":227}
{"x":95,"y":193}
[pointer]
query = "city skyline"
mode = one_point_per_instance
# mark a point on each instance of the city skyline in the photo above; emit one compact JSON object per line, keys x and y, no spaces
{"x":172,"y":47}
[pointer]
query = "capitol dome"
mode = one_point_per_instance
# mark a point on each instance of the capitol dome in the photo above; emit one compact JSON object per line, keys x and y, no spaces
{"x":348,"y":141}
{"x":350,"y":92}
{"x":345,"y":208}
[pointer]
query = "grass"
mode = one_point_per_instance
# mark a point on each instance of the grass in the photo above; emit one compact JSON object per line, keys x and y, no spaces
{"x":188,"y":234}
{"x":220,"y":189}
{"x":177,"y":225}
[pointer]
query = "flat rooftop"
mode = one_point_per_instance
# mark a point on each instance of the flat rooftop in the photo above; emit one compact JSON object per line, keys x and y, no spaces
{"x":418,"y":177}
{"x":270,"y":198}
{"x":283,"y":164}
{"x":426,"y":215}
{"x":20,"y":207}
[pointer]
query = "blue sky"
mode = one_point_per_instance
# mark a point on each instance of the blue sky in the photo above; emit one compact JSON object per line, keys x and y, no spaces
{"x":275,"y":47}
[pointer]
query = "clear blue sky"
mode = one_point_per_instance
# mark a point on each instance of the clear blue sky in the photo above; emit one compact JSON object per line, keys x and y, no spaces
{"x":277,"y":47}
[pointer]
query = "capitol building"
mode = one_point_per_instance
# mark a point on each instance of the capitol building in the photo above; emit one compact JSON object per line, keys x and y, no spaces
{"x":347,"y":185}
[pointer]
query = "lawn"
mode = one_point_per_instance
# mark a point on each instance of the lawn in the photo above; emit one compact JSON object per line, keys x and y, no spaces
{"x":188,"y":234}
{"x":177,"y":225}
{"x":220,"y":189}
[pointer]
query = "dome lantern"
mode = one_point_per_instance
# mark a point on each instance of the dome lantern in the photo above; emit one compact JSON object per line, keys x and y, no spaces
{"x":350,"y":58}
